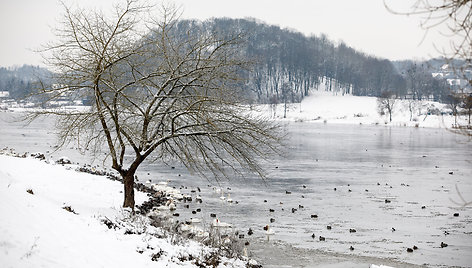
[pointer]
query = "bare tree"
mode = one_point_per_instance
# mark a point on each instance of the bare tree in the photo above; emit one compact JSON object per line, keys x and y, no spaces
{"x":453,"y":102}
{"x":156,"y":93}
{"x":467,"y":106}
{"x":412,"y":106}
{"x":386,"y":103}
{"x":285,"y":92}
{"x":273,"y":105}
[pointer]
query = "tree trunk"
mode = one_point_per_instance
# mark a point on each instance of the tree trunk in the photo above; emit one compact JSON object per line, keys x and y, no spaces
{"x":285,"y":109}
{"x":128,"y":182}
{"x":469,"y":117}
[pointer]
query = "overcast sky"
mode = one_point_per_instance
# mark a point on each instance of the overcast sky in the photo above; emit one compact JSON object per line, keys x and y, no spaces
{"x":365,"y":25}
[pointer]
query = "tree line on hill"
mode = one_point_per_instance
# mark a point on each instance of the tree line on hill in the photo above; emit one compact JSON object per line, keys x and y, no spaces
{"x":21,"y":81}
{"x":287,"y":64}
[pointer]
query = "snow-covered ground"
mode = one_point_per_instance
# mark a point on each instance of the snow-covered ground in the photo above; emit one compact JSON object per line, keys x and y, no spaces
{"x":52,"y":216}
{"x":332,"y":107}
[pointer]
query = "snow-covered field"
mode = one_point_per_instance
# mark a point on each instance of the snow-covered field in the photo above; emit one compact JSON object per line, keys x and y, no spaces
{"x":52,"y":216}
{"x":332,"y":107}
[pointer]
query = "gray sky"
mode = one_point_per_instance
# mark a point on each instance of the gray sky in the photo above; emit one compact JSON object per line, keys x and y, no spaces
{"x":363,"y":24}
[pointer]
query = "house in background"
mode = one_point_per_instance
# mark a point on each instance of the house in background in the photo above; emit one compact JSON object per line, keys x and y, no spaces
{"x":4,"y":95}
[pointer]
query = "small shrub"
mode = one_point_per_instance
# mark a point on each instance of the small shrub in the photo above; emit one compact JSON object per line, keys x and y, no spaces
{"x":253,"y":264}
{"x":63,"y":161}
{"x":70,"y":209}
{"x":30,"y":191}
{"x":134,"y":223}
{"x":32,"y":250}
{"x":110,"y":224}
{"x":39,"y":156}
{"x":129,"y":232}
{"x":157,"y":255}
{"x":433,"y":111}
{"x":210,"y":260}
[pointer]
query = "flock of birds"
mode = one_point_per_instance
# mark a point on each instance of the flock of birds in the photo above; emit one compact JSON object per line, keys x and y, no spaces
{"x":268,"y":231}
{"x":226,"y":197}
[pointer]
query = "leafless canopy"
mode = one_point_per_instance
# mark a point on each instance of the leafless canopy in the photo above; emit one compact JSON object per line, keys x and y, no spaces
{"x":156,"y":92}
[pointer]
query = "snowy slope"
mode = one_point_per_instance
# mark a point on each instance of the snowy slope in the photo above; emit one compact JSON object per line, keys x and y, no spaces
{"x":35,"y":230}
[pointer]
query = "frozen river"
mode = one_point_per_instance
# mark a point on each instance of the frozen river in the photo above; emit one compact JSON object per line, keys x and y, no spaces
{"x":415,"y":170}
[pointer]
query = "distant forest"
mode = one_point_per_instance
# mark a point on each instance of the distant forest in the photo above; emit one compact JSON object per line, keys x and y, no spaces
{"x":290,"y":64}
{"x":21,"y":81}
{"x":287,"y":64}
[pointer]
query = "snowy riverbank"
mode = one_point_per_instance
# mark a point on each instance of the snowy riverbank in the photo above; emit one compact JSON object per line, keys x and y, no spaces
{"x":54,"y":216}
{"x":332,"y":107}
